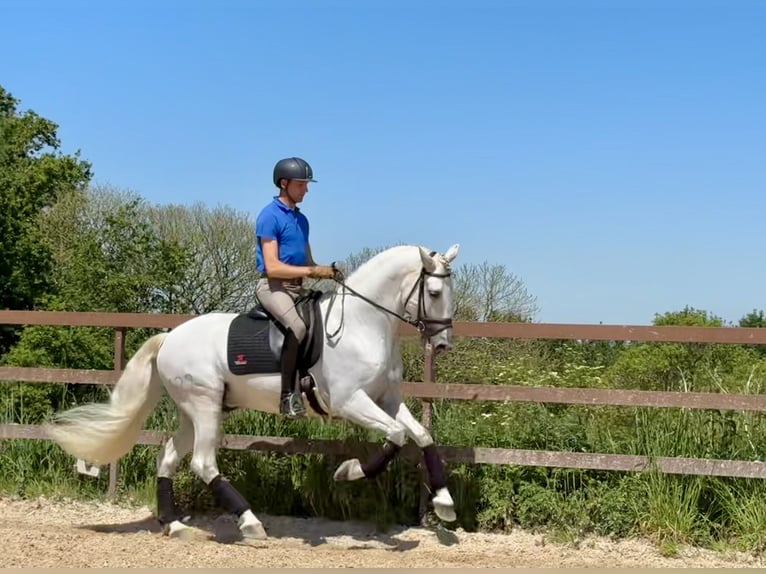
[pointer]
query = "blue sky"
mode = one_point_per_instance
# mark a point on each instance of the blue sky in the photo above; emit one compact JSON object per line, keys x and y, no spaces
{"x":609,"y":153}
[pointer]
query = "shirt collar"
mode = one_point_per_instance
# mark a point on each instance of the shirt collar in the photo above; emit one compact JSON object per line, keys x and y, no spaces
{"x":284,"y":207}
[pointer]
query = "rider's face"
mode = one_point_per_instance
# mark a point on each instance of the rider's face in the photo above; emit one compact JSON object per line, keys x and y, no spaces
{"x":297,"y":189}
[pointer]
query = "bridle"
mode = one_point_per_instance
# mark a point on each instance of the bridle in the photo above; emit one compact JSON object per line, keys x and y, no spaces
{"x":426,"y":326}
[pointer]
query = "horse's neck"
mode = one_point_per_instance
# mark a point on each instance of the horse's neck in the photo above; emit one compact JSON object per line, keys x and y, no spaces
{"x":382,"y":281}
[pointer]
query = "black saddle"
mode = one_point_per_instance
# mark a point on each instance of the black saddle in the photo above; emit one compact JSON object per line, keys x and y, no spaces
{"x":255,"y":339}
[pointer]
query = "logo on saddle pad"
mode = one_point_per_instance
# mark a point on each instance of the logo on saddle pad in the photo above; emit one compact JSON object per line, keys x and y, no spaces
{"x":240,"y":359}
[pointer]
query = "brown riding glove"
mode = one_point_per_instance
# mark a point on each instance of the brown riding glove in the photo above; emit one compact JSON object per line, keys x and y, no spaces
{"x":322,"y":272}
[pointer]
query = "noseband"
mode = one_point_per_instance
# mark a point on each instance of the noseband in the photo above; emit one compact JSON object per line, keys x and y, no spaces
{"x":426,"y":326}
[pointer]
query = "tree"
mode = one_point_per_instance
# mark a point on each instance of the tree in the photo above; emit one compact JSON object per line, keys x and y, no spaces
{"x":33,"y":175}
{"x":108,"y":255}
{"x":220,"y":243}
{"x":754,"y":319}
{"x":487,"y":292}
{"x":688,"y":317}
{"x":686,"y":366}
{"x":757,"y":320}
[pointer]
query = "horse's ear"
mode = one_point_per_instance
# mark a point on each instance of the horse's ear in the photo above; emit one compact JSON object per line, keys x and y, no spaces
{"x":428,"y":262}
{"x":452,"y":252}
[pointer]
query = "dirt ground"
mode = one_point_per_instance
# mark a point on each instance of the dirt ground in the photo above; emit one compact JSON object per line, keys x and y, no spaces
{"x":76,"y":534}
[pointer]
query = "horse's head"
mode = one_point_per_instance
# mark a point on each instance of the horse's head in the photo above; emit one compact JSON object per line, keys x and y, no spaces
{"x":412,"y":284}
{"x":430,"y":302}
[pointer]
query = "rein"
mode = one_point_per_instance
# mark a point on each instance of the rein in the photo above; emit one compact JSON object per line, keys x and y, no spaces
{"x":421,"y":323}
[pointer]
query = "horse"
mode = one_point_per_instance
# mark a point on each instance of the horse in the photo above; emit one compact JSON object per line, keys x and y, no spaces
{"x":218,"y":362}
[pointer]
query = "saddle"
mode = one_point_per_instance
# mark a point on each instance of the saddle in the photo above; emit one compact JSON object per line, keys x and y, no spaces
{"x":255,"y":339}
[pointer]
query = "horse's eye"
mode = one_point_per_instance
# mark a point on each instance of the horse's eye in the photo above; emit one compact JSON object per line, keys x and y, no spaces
{"x":435,"y":294}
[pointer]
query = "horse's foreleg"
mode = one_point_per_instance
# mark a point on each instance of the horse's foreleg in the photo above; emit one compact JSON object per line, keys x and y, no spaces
{"x":362,"y":410}
{"x":444,"y":506}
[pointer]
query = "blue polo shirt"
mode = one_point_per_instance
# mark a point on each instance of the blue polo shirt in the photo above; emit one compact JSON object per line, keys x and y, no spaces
{"x":289,"y":227}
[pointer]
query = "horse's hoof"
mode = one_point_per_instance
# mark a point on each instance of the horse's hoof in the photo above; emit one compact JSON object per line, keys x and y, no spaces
{"x":349,"y":470}
{"x":444,"y":507}
{"x":180,"y":531}
{"x":253,"y":532}
{"x":446,"y":513}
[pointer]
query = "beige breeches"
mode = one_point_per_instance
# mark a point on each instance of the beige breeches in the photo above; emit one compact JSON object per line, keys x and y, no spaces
{"x":279,"y":299}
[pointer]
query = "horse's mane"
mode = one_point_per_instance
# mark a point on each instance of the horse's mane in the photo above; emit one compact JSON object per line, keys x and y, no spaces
{"x":378,"y":258}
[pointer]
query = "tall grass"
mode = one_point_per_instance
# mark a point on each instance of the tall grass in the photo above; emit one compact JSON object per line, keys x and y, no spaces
{"x":567,"y":503}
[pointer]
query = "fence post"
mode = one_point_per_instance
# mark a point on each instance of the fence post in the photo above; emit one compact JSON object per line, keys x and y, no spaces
{"x":428,"y":377}
{"x":119,"y":365}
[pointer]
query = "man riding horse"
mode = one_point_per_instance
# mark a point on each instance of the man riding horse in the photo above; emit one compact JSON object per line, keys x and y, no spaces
{"x":219,"y":362}
{"x":283,"y":256}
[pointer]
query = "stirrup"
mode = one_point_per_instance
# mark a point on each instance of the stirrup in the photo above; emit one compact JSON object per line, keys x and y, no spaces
{"x":292,"y":406}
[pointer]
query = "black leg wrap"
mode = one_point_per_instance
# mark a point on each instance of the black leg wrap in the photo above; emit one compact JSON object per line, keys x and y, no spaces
{"x":435,"y":466}
{"x":227,"y":496}
{"x":167,"y":511}
{"x":379,"y":461}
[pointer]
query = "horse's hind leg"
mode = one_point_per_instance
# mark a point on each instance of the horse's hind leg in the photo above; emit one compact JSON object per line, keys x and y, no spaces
{"x":207,"y":427}
{"x":168,"y":460}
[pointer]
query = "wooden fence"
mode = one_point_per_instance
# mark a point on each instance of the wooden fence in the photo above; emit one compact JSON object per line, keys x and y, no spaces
{"x":429,"y":390}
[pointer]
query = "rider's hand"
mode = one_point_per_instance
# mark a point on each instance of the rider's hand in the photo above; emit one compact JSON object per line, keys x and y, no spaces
{"x":322,"y":272}
{"x":338,"y":272}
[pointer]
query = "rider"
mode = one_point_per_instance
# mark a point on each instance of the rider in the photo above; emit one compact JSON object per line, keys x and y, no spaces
{"x":283,"y":256}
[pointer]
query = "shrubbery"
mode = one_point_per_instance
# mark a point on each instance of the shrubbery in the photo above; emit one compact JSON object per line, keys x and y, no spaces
{"x":566,"y":502}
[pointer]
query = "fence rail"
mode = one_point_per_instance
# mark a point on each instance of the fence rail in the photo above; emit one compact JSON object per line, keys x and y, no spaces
{"x":499,"y":330}
{"x":457,"y":454}
{"x":429,"y":390}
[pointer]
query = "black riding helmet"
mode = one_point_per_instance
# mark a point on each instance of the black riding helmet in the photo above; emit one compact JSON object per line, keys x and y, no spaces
{"x":293,"y":168}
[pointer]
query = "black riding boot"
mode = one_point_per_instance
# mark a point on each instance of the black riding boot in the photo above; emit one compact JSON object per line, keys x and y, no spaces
{"x":290,"y":402}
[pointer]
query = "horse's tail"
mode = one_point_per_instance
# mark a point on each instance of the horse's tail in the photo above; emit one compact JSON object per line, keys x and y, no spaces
{"x":101,"y":433}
